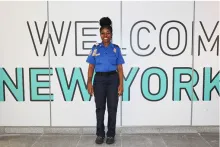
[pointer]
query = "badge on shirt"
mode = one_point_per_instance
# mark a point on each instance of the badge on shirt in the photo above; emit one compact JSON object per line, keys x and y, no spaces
{"x":114,"y":50}
{"x":95,"y":53}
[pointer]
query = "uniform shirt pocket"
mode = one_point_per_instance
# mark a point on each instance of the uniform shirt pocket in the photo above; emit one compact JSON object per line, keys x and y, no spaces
{"x":112,"y":59}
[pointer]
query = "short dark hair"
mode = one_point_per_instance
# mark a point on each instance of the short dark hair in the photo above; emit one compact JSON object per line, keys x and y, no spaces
{"x":105,"y":22}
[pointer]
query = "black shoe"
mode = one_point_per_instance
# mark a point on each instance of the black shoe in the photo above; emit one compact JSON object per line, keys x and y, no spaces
{"x":99,"y":140}
{"x":110,"y":140}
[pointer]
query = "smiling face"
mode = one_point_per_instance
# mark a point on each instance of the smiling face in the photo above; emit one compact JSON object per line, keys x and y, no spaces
{"x":106,"y":35}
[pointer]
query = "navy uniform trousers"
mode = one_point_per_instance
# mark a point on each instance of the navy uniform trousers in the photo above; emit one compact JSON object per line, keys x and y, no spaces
{"x":106,"y":90}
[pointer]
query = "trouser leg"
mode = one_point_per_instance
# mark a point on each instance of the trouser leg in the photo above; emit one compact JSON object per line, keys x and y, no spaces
{"x":100,"y":101}
{"x":112,"y":103}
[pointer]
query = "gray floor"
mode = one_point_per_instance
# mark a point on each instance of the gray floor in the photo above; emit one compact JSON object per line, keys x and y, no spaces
{"x":141,"y":140}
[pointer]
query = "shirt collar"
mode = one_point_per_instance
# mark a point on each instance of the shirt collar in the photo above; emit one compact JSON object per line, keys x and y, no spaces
{"x":110,"y":45}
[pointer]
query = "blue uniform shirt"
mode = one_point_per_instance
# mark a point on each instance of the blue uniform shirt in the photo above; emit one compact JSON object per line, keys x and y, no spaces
{"x":104,"y":58}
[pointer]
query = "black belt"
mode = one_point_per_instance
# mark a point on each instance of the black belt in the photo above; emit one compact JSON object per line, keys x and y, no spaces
{"x":106,"y":73}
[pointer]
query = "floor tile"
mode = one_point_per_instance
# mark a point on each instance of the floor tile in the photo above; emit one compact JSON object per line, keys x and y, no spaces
{"x":17,"y":140}
{"x":57,"y":141}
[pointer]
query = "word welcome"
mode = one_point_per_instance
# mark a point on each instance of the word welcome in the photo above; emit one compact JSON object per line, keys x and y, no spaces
{"x":87,"y":32}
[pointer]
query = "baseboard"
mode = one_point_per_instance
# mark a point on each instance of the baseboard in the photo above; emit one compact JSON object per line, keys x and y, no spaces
{"x":119,"y":130}
{"x":2,"y":130}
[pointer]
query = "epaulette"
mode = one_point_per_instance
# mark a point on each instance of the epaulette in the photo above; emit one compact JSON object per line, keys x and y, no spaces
{"x":115,"y":45}
{"x":95,"y":45}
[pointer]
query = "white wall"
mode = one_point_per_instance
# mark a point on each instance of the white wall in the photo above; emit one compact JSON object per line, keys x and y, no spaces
{"x":160,"y":87}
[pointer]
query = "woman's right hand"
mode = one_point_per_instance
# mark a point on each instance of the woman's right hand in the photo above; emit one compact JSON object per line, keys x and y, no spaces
{"x":90,"y":88}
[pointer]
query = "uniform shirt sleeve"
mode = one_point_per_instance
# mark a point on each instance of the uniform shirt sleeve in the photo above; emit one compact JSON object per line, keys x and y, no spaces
{"x":120,"y":59}
{"x":91,"y":59}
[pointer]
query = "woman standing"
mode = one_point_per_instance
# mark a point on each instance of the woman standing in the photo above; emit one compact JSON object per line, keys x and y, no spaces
{"x":106,"y":59}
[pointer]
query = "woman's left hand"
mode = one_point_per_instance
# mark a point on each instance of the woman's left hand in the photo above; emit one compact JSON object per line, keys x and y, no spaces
{"x":120,"y":90}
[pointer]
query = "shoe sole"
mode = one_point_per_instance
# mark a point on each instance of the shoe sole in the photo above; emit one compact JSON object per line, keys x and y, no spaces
{"x":110,"y":143}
